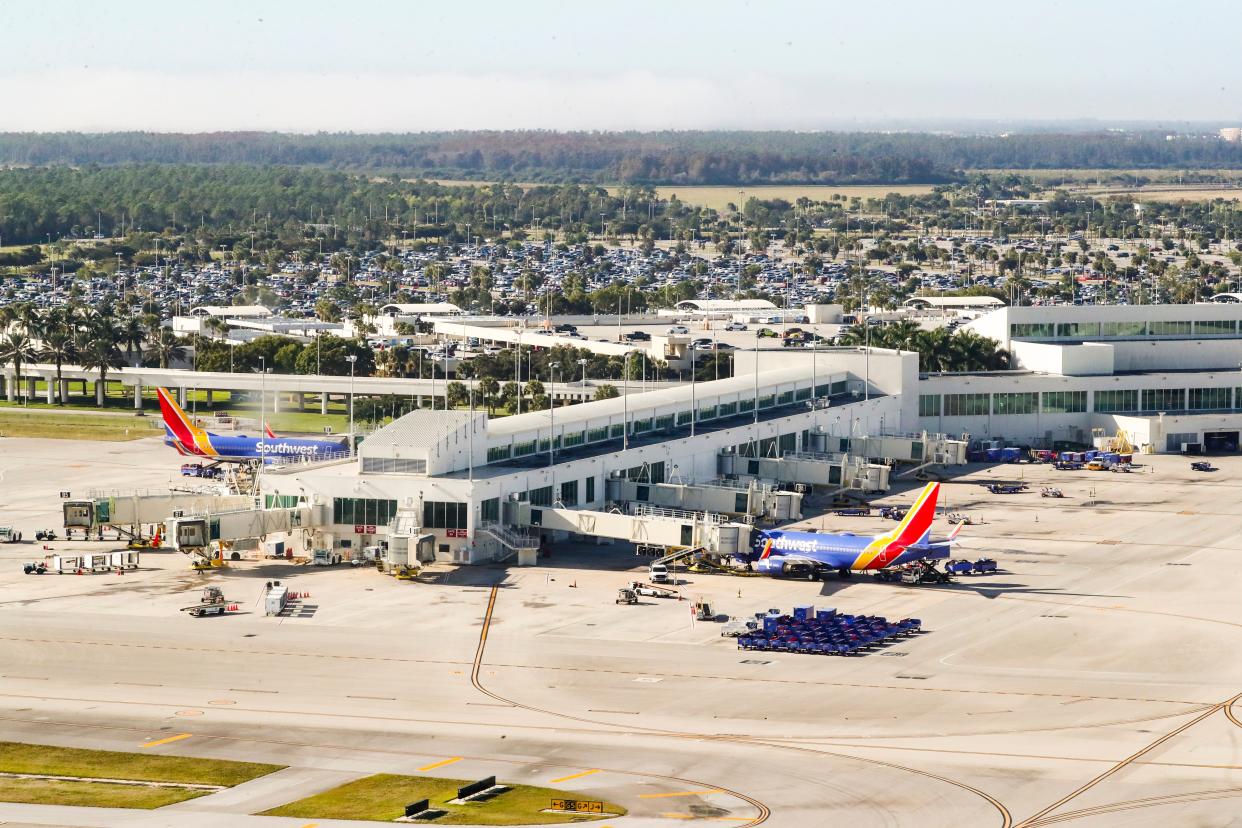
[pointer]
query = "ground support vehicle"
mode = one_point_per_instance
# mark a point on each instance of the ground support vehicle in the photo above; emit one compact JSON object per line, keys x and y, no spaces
{"x":1199,"y":465}
{"x":9,"y":535}
{"x":1050,"y":491}
{"x":625,"y":595}
{"x":703,"y":611}
{"x":955,"y":518}
{"x":652,"y":590}
{"x":827,"y":633}
{"x":1007,"y":488}
{"x":958,"y":567}
{"x":855,"y":511}
{"x":203,"y":610}
{"x":915,"y":572}
{"x":738,"y":627}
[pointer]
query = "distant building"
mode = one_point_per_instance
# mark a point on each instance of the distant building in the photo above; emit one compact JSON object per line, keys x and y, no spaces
{"x":1231,"y":134}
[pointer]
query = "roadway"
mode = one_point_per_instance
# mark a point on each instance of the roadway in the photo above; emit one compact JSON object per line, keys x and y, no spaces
{"x":1089,"y":682}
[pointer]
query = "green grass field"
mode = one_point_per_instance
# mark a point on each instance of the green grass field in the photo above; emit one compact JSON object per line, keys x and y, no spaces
{"x":19,"y":757}
{"x":383,"y":798}
{"x":73,"y":425}
{"x":91,"y":794}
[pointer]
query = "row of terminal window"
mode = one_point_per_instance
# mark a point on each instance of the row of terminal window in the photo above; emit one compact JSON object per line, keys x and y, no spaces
{"x":1075,"y":402}
{"x":1093,"y":330}
{"x":646,"y":425}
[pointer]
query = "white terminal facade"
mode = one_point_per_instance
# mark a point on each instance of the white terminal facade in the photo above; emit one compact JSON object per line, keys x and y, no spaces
{"x":456,"y":469}
{"x":1165,"y":374}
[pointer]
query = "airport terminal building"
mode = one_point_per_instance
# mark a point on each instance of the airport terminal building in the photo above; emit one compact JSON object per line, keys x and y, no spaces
{"x":453,"y":471}
{"x":1165,"y":375}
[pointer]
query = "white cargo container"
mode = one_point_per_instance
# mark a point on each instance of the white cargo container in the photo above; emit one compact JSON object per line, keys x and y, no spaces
{"x":276,"y":599}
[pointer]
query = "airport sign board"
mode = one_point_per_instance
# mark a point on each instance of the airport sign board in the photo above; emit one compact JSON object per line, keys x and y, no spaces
{"x":578,"y":806}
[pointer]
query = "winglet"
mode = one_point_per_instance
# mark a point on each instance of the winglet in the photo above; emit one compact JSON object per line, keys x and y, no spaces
{"x":956,"y":530}
{"x":268,"y":430}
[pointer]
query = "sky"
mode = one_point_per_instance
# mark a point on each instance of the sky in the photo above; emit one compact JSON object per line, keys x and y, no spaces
{"x":375,"y":65}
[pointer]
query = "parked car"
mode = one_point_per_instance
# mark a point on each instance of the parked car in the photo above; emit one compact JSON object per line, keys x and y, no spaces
{"x":736,"y":326}
{"x":676,"y":330}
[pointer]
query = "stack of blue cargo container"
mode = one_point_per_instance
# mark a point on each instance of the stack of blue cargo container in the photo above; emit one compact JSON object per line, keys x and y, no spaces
{"x":825,"y":632}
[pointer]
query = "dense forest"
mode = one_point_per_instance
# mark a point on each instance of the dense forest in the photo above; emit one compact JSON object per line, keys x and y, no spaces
{"x":640,"y":157}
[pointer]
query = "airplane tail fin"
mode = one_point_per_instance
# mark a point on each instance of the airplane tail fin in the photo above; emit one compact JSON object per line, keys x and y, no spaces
{"x":179,"y":425}
{"x":916,"y":525}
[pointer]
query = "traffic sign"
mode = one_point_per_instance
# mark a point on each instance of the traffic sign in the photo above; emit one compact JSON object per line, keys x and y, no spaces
{"x":578,"y":806}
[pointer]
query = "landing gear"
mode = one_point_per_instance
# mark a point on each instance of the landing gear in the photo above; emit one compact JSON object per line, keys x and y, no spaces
{"x":844,"y":573}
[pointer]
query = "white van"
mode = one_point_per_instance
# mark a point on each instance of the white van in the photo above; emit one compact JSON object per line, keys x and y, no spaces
{"x":659,"y":573}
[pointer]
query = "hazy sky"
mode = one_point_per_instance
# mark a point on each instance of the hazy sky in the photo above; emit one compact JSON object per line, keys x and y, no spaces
{"x":373,"y":65}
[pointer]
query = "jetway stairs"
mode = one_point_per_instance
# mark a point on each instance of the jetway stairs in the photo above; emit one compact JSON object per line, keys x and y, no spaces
{"x":521,"y":545}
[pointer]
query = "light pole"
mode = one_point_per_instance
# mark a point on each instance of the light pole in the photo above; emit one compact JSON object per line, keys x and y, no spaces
{"x":625,"y":400}
{"x":582,"y":363}
{"x":694,"y":407}
{"x":353,"y":358}
{"x":262,"y":394}
{"x":552,"y":366}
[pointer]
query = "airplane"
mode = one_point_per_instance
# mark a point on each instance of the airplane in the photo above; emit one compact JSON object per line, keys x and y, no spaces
{"x":776,"y":552}
{"x":190,"y":440}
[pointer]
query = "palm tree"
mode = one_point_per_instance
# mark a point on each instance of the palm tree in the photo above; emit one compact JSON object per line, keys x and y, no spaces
{"x":167,"y":347}
{"x":102,"y":353}
{"x":18,"y":348}
{"x":132,"y":335}
{"x":216,"y":326}
{"x":30,"y":319}
{"x":490,"y":389}
{"x":60,"y":345}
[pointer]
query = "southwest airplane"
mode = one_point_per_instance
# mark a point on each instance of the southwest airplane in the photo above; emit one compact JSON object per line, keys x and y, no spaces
{"x":188,"y":439}
{"x":789,"y":553}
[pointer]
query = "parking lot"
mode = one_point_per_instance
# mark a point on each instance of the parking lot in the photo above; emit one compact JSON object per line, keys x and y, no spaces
{"x":1090,"y":679}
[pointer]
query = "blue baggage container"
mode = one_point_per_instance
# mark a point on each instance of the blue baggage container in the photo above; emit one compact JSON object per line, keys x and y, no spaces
{"x":994,"y":455}
{"x":824,"y":616}
{"x":804,"y":612}
{"x":1011,"y":455}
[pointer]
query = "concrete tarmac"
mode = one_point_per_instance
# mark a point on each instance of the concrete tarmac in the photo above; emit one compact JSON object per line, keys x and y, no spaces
{"x":1090,"y":681}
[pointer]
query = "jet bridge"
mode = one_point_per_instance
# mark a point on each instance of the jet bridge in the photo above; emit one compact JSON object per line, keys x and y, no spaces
{"x":207,"y":532}
{"x":727,"y":497}
{"x":916,"y":449}
{"x":648,"y":525}
{"x":128,"y":512}
{"x":831,"y":471}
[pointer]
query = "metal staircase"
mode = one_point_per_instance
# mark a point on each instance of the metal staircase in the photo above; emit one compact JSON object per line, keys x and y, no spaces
{"x":512,"y":540}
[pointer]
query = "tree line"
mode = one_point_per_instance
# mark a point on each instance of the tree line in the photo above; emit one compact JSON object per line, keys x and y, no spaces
{"x":682,"y":157}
